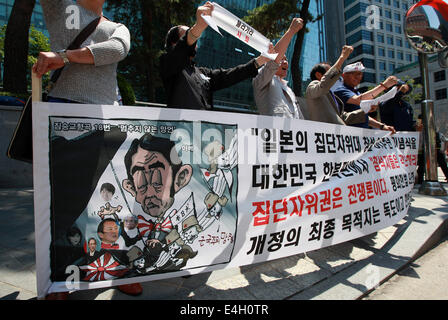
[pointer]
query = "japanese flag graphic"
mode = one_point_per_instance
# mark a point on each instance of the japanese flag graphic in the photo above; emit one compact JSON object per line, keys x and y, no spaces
{"x":104,"y":268}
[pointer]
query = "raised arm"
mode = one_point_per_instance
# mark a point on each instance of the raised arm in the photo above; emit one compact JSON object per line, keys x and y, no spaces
{"x":283,"y":44}
{"x":373,"y":93}
{"x":200,"y":25}
{"x":319,"y":88}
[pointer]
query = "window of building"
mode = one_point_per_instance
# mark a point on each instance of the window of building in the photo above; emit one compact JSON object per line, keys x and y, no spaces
{"x":360,"y":35}
{"x":391,"y":67}
{"x":390,"y":40}
{"x":397,"y":4}
{"x":368,"y":63}
{"x":369,"y":77}
{"x":381,"y":52}
{"x":409,"y":57}
{"x":382,"y":65}
{"x":391,"y":54}
{"x":348,"y":2}
{"x":397,"y":16}
{"x":388,"y":14}
{"x":356,"y":23}
{"x":397,"y":29}
{"x":400,"y":55}
{"x":389,"y":27}
{"x":439,"y":76}
{"x":363,"y":48}
{"x":387,"y":2}
{"x":399,"y":42}
{"x":356,"y":9}
{"x":441,"y":94}
{"x":380,"y":37}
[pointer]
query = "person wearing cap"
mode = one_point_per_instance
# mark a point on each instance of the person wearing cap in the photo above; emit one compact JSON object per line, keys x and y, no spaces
{"x":397,"y":112}
{"x":272,"y":95}
{"x":321,"y":104}
{"x":352,"y":76}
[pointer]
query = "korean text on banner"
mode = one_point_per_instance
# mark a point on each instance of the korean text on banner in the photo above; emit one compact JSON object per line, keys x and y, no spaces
{"x":138,"y":194}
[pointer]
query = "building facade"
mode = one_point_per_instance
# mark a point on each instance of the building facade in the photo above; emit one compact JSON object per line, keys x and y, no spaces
{"x":37,"y":19}
{"x":375,"y":29}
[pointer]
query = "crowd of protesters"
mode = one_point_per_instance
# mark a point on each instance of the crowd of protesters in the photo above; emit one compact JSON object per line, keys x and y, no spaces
{"x":88,"y":73}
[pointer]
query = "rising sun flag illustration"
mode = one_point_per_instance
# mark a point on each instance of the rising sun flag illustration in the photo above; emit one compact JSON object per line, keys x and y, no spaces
{"x":104,"y":268}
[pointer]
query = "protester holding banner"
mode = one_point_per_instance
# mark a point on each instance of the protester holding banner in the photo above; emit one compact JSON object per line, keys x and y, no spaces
{"x":397,"y":112}
{"x":352,"y":77}
{"x":272,"y":94}
{"x":89,"y":74}
{"x":322,"y":105}
{"x":191,"y":87}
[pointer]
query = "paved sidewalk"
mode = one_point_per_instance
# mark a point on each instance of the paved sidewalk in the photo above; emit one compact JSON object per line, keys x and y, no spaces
{"x":342,"y":272}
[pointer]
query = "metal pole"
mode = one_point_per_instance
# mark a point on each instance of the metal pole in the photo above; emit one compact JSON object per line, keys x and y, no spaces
{"x":431,"y":184}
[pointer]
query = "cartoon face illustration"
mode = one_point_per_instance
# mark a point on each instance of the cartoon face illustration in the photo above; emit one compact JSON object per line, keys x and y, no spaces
{"x":130,"y":222}
{"x":153,"y":180}
{"x":190,"y":234}
{"x":74,"y":236}
{"x":108,"y":231}
{"x":75,"y":239}
{"x":107,"y":191}
{"x":139,"y":263}
{"x":174,"y":249}
{"x":92,"y":244}
{"x":216,"y":210}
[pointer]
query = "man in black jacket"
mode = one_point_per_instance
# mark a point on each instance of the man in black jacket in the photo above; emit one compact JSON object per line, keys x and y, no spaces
{"x":397,"y":112}
{"x":188,"y":86}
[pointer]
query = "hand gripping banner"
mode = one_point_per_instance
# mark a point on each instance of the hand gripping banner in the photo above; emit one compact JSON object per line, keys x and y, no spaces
{"x":128,"y":194}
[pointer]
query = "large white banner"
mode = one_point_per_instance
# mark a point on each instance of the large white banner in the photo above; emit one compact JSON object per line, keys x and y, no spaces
{"x":131,"y":194}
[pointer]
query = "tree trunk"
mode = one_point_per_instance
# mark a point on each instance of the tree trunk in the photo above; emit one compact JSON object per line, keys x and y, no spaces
{"x":16,"y":47}
{"x":147,"y":26}
{"x":296,"y":72}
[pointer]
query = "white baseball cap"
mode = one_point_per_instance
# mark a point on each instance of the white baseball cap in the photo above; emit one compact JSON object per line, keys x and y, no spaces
{"x":358,"y":66}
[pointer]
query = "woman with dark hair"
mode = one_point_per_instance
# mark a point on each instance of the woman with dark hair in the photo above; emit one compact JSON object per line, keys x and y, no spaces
{"x":188,"y":86}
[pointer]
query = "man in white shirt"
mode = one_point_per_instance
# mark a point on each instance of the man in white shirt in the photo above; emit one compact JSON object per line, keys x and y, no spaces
{"x":272,"y":94}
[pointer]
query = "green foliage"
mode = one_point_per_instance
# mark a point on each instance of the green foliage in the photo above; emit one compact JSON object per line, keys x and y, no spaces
{"x":148,"y":22}
{"x":126,"y":91}
{"x":416,"y":94}
{"x":37,"y":42}
{"x":22,"y":96}
{"x":2,"y":41}
{"x":274,"y":18}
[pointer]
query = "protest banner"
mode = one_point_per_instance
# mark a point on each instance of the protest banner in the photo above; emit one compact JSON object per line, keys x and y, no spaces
{"x":205,"y":190}
{"x":239,"y":29}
